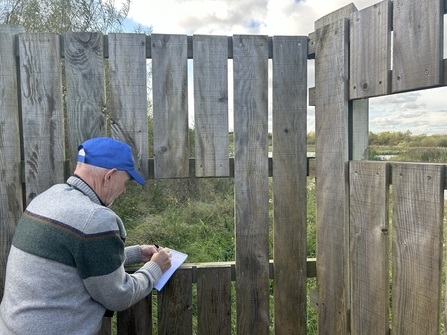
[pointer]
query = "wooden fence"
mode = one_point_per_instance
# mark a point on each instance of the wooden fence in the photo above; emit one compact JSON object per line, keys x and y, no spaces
{"x":42,"y":122}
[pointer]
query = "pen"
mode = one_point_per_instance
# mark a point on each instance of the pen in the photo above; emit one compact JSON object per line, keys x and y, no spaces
{"x":156,"y":246}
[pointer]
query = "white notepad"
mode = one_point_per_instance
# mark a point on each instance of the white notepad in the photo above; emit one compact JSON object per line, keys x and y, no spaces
{"x":177,"y":259}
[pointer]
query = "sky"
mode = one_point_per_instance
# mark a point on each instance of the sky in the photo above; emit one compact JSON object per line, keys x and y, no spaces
{"x":421,"y":112}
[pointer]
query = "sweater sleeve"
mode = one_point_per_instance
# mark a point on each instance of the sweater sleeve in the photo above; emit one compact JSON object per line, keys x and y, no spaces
{"x":119,"y":290}
{"x":100,"y":261}
{"x":133,"y":255}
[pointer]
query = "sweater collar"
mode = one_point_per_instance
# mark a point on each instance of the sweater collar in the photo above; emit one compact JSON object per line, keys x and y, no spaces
{"x":78,"y":183}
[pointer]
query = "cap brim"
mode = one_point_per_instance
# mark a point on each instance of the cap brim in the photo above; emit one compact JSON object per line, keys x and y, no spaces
{"x":134,"y":174}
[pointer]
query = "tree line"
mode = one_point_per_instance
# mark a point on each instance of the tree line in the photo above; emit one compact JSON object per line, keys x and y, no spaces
{"x":65,"y":15}
{"x":398,"y":138}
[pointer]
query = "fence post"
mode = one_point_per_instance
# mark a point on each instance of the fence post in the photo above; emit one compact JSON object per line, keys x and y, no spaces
{"x":332,"y":156}
{"x":11,"y":201}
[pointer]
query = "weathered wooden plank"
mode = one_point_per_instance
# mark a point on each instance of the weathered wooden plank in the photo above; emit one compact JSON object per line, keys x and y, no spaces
{"x":106,"y":327}
{"x":369,"y":240}
{"x":214,"y":300}
{"x":175,"y":304}
{"x":417,"y":45}
{"x":341,"y":13}
{"x":85,"y":96}
{"x":418,"y":205}
{"x":136,"y":320}
{"x":128,"y":98}
{"x":211,"y":105}
{"x":12,"y":29}
{"x":170,"y":105}
{"x":359,"y":111}
{"x":289,"y":68}
{"x":370,"y":51}
{"x":312,"y":96}
{"x":42,"y":114}
{"x":332,"y":155}
{"x":311,"y":268}
{"x":311,"y":47}
{"x":11,"y":206}
{"x":250,"y":67}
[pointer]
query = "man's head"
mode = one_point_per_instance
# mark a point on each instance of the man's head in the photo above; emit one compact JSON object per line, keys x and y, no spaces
{"x":106,"y":165}
{"x":108,"y":153}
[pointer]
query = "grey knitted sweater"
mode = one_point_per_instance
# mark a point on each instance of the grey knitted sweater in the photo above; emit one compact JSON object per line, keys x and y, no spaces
{"x":66,"y":265}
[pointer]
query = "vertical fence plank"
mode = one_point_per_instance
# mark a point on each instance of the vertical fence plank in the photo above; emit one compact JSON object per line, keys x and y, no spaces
{"x":418,"y":206}
{"x":175,"y":304}
{"x":370,"y":51}
{"x":11,"y":206}
{"x":250,"y":64}
{"x":369,"y":187}
{"x":214,"y":300}
{"x":170,"y":104}
{"x":341,"y":13}
{"x":359,"y":144}
{"x":128,"y":102}
{"x":332,"y":155}
{"x":211,"y":105}
{"x":417,"y":44}
{"x":85,"y":80}
{"x":136,"y":320}
{"x":290,"y":182}
{"x":42,"y":114}
{"x":106,"y":327}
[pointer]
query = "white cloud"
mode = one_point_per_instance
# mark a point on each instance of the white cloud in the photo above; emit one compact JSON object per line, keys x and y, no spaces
{"x":270,"y":17}
{"x":420,"y":112}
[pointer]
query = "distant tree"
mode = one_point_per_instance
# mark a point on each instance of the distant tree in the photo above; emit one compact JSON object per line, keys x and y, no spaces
{"x":442,"y":141}
{"x":62,"y":16}
{"x":311,"y":138}
{"x":429,"y":141}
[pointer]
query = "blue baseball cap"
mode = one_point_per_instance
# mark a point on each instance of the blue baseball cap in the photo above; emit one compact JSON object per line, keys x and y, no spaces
{"x":109,"y":153}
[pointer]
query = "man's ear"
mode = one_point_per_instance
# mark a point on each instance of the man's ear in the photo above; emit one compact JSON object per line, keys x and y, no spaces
{"x":108,"y":176}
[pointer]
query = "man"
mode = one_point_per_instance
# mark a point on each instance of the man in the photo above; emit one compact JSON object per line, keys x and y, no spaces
{"x":66,"y":264}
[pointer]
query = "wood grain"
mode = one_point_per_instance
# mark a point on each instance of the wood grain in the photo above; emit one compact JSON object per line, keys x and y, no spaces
{"x":11,"y":202}
{"x":42,"y":114}
{"x":214,"y":300}
{"x":136,"y":320}
{"x":370,"y":51}
{"x":289,"y":182}
{"x":211,"y":105}
{"x":341,"y":13}
{"x":250,"y":66}
{"x":106,"y":326}
{"x":170,"y":104}
{"x":128,"y":97}
{"x":175,"y":304}
{"x":369,"y":247}
{"x":85,"y":97}
{"x":359,"y":117}
{"x":332,"y":155}
{"x":417,"y":45}
{"x":418,"y":206}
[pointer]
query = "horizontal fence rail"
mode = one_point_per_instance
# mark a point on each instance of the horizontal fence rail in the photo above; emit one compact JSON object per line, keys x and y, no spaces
{"x":211,"y":302}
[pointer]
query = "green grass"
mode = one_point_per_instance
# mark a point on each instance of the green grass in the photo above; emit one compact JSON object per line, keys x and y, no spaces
{"x":196,"y":216}
{"x":428,"y":155}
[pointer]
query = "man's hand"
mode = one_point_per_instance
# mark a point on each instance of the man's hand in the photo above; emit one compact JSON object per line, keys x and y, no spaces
{"x":163,"y":258}
{"x":147,"y":251}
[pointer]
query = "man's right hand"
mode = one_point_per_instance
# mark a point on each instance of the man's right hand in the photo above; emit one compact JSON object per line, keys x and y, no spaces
{"x":163,"y":259}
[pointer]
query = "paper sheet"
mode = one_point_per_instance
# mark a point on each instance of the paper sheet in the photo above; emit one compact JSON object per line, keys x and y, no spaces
{"x":177,"y":259}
